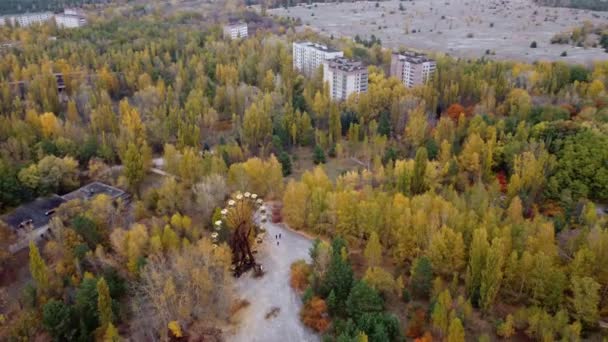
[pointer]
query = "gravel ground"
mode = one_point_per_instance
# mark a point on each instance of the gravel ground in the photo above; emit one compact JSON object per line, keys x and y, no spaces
{"x":273,"y":291}
{"x":464,"y":28}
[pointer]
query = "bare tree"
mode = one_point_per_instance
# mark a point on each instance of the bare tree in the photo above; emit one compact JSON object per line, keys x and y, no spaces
{"x":194,"y":284}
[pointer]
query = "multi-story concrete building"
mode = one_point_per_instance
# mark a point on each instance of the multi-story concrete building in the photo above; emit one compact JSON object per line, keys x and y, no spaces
{"x":27,"y":19}
{"x":236,"y":30}
{"x":344,"y":77}
{"x":308,"y":57}
{"x":412,"y":68}
{"x":69,"y":19}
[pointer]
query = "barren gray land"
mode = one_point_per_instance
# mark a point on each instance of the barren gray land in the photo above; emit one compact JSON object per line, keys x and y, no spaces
{"x":462,"y":28}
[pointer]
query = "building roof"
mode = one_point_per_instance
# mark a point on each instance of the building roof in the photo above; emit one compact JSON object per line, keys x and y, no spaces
{"x":38,"y":211}
{"x":413,"y":57}
{"x":63,"y":15}
{"x":234,"y":24}
{"x":317,"y":46}
{"x":346,"y":64}
{"x":93,"y":189}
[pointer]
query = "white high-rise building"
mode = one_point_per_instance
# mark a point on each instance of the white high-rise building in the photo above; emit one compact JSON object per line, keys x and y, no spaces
{"x":308,"y":57}
{"x":412,"y":68}
{"x":236,"y":30}
{"x":345,"y":77}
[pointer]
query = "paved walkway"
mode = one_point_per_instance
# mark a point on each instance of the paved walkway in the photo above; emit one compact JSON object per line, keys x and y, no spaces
{"x":273,"y":291}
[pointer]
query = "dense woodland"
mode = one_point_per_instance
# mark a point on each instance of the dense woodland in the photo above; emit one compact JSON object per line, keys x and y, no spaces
{"x":476,"y":203}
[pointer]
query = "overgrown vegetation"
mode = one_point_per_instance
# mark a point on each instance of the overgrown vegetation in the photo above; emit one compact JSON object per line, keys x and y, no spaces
{"x":475,"y":196}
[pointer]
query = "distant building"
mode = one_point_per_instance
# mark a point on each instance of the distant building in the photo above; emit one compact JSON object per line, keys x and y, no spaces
{"x":74,"y":11}
{"x":27,"y":19}
{"x":70,"y":18}
{"x":91,"y":190}
{"x":344,"y":77}
{"x":308,"y":57}
{"x":412,"y":68}
{"x":236,"y":30}
{"x":31,"y":221}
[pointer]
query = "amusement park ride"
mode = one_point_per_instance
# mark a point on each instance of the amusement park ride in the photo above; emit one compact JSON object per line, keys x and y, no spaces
{"x":239,"y":229}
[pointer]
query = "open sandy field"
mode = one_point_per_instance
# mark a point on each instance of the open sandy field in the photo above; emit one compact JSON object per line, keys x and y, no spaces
{"x":464,"y":28}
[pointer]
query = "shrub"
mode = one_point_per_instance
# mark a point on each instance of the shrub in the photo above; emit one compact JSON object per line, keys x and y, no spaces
{"x":363,"y":299}
{"x":416,"y":324}
{"x":380,"y":280}
{"x":314,"y":315}
{"x":422,"y":277}
{"x":300,"y":273}
{"x":87,"y":228}
{"x":318,"y":156}
{"x":405,"y":295}
{"x":285,"y":161}
{"x":58,"y":320}
{"x":308,"y":294}
{"x":332,"y":151}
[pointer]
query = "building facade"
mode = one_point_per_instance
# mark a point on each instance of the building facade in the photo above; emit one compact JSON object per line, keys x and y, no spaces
{"x":236,"y":30}
{"x":344,"y":77}
{"x":31,"y":221}
{"x":27,"y":19}
{"x":308,"y":57}
{"x":412,"y":68}
{"x":69,"y":19}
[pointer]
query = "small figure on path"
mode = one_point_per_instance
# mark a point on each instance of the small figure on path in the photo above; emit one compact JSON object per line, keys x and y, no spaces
{"x":279,"y":235}
{"x":277,"y":243}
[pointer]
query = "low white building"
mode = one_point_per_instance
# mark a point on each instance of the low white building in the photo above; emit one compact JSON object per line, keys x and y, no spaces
{"x":71,"y":18}
{"x":236,"y":30}
{"x":26,"y":19}
{"x":412,"y":68}
{"x":308,"y":57}
{"x":345,"y":77}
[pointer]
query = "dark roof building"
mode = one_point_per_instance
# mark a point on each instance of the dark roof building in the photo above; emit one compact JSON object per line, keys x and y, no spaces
{"x":91,"y":190}
{"x":36,"y":214}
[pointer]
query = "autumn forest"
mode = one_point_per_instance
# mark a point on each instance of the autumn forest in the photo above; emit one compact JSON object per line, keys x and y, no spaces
{"x":469,"y":208}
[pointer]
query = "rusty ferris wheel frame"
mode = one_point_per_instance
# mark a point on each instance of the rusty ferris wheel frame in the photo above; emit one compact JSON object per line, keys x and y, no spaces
{"x":240,"y":229}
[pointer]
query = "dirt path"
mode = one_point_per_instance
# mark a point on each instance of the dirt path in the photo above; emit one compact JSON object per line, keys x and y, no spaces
{"x":271,"y":295}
